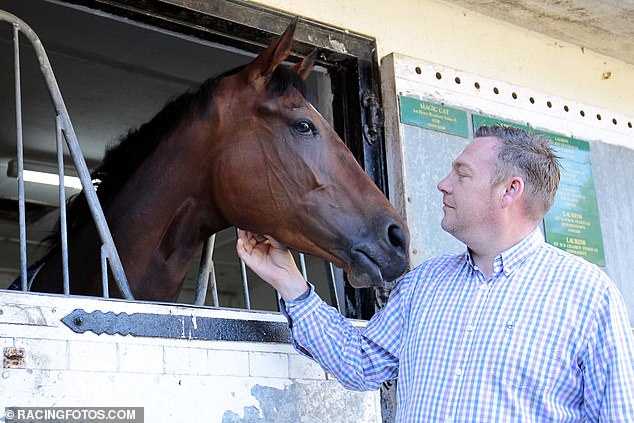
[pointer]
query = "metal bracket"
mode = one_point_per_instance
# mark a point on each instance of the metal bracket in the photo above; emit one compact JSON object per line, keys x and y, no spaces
{"x":373,"y":116}
{"x":176,"y":326}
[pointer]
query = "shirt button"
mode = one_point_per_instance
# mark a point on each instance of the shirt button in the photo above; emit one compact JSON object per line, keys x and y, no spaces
{"x":484,"y":286}
{"x":470,"y":328}
{"x":458,"y":371}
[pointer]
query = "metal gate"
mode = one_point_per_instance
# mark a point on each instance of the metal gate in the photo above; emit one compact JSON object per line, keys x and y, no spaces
{"x":206,"y":279}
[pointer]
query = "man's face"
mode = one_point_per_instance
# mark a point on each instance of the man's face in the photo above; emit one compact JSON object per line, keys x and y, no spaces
{"x":469,"y":202}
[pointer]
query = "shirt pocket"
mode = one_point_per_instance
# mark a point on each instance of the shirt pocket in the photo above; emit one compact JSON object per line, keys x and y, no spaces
{"x":526,"y":358}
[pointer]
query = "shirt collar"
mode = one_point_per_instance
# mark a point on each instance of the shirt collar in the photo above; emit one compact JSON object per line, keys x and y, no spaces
{"x":510,"y":259}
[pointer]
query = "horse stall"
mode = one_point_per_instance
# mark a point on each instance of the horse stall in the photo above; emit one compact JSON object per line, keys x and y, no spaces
{"x":404,"y":99}
{"x":214,"y":348}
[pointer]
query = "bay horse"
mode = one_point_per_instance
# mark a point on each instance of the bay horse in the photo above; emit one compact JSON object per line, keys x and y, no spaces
{"x":245,"y":149}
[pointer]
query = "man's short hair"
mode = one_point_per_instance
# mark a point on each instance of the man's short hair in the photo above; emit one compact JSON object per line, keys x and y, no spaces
{"x":528,"y":155}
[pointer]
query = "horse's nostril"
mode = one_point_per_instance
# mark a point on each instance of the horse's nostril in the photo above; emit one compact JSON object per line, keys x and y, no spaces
{"x":396,"y":236}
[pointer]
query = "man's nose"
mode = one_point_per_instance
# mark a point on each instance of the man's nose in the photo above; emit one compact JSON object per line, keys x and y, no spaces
{"x":444,"y":185}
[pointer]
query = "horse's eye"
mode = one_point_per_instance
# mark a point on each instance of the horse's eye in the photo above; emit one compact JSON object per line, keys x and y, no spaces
{"x":305,"y":128}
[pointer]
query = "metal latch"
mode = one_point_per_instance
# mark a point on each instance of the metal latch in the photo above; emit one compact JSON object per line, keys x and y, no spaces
{"x":374,"y":118}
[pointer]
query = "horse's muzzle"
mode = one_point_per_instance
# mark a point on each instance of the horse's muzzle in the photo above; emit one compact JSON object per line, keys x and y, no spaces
{"x":372,"y":264}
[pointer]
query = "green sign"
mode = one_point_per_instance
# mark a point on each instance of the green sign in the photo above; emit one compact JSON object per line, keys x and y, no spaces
{"x":572,"y":223}
{"x":434,"y":116}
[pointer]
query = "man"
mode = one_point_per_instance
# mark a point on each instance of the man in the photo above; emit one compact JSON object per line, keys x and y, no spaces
{"x":511,"y":330}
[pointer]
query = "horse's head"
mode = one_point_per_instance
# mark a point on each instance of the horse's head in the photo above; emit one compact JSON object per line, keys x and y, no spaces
{"x":292,"y":176}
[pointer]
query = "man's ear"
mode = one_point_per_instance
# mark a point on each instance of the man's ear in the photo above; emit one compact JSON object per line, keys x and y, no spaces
{"x":513,"y":190}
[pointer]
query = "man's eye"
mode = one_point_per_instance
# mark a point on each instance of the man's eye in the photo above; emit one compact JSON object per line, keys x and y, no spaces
{"x":304,"y":128}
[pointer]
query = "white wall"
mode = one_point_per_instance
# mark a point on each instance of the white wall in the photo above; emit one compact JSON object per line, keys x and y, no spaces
{"x":453,"y":36}
{"x":173,"y":379}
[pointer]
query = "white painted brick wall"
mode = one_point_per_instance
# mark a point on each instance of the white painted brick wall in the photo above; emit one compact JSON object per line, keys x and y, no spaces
{"x":301,"y":367}
{"x":44,"y":353}
{"x":188,"y":361}
{"x":173,"y":379}
{"x":140,"y":358}
{"x":228,"y":363}
{"x":5,"y":342}
{"x":92,"y":356}
{"x":268,"y":364}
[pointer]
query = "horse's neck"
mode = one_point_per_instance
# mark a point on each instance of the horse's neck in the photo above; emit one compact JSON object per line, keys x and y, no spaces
{"x":162,"y":215}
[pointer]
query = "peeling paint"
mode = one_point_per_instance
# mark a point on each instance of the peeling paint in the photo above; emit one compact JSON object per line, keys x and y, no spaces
{"x":21,"y":314}
{"x":337,"y":46}
{"x":304,"y":403}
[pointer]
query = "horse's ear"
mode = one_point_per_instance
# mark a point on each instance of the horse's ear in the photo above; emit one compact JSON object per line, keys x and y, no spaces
{"x":265,"y":64}
{"x":304,"y":67}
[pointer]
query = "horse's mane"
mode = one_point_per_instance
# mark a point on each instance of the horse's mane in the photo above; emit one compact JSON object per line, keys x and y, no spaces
{"x":122,"y":159}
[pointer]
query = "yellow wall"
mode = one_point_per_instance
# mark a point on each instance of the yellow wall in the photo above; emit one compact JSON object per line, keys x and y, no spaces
{"x":452,"y":36}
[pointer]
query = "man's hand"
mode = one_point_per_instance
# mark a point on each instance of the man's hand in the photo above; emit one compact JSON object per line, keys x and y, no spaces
{"x":273,"y":262}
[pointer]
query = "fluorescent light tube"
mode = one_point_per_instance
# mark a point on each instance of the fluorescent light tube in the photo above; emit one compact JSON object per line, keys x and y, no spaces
{"x":50,"y":179}
{"x":43,"y":173}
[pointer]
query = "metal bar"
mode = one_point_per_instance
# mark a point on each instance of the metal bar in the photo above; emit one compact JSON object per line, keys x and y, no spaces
{"x":104,"y":272}
{"x":214,"y":286}
{"x":20,"y":153}
{"x":75,"y":151}
{"x":206,"y":266}
{"x":245,"y":282}
{"x":62,"y":204}
{"x":175,"y":326}
{"x":332,"y":278}
{"x":302,"y":265}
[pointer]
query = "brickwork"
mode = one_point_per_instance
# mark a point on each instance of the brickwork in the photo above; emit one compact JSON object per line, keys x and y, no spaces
{"x":173,"y":379}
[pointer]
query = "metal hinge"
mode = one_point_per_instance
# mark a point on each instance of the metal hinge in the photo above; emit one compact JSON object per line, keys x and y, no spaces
{"x":176,"y":326}
{"x":373,"y":117}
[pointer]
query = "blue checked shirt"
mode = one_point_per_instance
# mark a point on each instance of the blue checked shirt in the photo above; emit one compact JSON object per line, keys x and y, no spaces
{"x":545,"y":338}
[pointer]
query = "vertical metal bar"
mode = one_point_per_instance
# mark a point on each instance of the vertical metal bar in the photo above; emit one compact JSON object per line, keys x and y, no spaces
{"x":62,"y":203}
{"x":114,"y":260}
{"x":245,"y":282}
{"x":245,"y":285}
{"x":302,"y":265}
{"x":20,"y":153}
{"x":104,"y":271}
{"x":214,"y":285}
{"x":332,"y":278}
{"x":206,"y":266}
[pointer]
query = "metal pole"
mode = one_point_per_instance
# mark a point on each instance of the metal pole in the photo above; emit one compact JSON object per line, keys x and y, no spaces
{"x":214,"y":286}
{"x":206,"y":271}
{"x":75,"y":151}
{"x":104,"y":272}
{"x":245,"y":282}
{"x":62,"y":204}
{"x":302,"y":265}
{"x":20,"y":153}
{"x":332,"y":278}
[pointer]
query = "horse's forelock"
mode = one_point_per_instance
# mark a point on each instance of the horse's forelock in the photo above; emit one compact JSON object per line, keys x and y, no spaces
{"x":283,"y":79}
